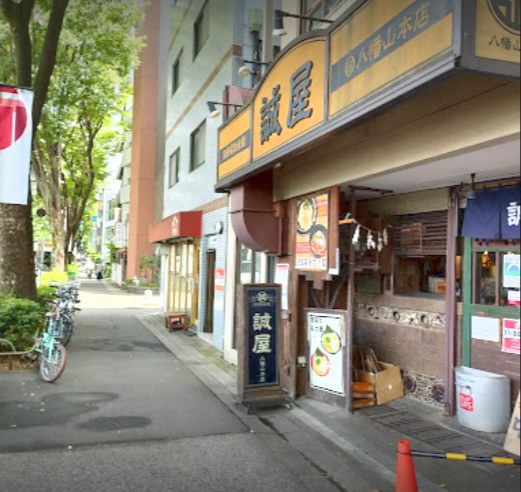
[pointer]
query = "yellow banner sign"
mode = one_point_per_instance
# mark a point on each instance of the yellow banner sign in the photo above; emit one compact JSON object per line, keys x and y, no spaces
{"x":384,"y":41}
{"x":290,"y":100}
{"x":498,"y":30}
{"x":235,"y":144}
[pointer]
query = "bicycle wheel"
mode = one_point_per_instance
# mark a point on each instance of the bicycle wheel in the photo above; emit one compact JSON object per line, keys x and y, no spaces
{"x":51,"y":370}
{"x":67,"y":326}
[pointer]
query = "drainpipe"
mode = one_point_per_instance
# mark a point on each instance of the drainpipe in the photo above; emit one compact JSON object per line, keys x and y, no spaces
{"x":267,"y":34}
{"x":450,"y":298}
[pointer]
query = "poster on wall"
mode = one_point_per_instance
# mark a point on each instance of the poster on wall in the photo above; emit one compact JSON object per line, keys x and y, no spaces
{"x":514,"y":298}
{"x":282,"y":278}
{"x":511,"y":271}
{"x":484,"y":328}
{"x":312,"y":234}
{"x":326,"y":351}
{"x":219,"y":279}
{"x":511,"y":341}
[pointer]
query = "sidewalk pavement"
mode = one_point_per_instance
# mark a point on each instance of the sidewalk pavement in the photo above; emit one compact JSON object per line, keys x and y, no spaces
{"x":342,"y":444}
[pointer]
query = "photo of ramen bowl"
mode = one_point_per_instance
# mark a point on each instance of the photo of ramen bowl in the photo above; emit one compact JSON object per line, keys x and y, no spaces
{"x":331,"y":341}
{"x":318,"y":240}
{"x":306,"y":215}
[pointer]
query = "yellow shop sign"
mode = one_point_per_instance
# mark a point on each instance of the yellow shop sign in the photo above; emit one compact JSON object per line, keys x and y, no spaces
{"x":235,"y":144}
{"x":382,"y":42}
{"x":291,"y":99}
{"x":498,"y":30}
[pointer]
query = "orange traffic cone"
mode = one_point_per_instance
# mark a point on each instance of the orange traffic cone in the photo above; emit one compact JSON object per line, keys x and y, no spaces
{"x":405,"y":474}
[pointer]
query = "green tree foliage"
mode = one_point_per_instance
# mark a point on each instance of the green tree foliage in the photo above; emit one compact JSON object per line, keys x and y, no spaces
{"x":82,"y":125}
{"x":150,"y":268}
{"x":81,"y":122}
{"x":23,"y":65}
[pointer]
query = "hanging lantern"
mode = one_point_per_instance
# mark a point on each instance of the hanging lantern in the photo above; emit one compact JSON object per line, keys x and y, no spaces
{"x":356,"y":235}
{"x":370,"y":241}
{"x":380,"y":242}
{"x":385,"y":237}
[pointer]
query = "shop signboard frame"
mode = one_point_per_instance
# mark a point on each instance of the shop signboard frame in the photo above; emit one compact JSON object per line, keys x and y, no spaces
{"x":259,"y":346}
{"x":312,"y":241}
{"x":438,"y":39}
{"x":487,"y":32}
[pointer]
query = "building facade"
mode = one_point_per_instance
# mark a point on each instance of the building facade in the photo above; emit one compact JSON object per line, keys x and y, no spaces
{"x":362,"y":162}
{"x":204,"y":45}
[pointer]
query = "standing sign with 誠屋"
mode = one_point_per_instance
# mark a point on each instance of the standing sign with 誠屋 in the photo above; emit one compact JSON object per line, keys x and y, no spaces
{"x":259,"y":348}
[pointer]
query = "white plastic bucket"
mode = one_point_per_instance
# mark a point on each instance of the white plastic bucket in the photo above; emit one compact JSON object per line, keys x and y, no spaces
{"x":482,"y":399}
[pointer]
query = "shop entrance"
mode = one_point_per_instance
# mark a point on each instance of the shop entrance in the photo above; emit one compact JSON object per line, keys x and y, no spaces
{"x":491,"y":307}
{"x":210,"y":291}
{"x":183,"y":292}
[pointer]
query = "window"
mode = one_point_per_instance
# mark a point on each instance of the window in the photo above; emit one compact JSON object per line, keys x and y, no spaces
{"x":492,"y":286}
{"x":250,"y":265}
{"x":318,"y":8}
{"x":419,"y":248}
{"x":126,"y":176}
{"x":173,"y":169}
{"x":176,"y":74}
{"x":198,"y":146}
{"x":111,"y":210}
{"x":201,"y":30}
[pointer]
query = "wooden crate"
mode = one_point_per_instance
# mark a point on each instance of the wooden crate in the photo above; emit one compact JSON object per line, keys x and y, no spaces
{"x":177,"y":321}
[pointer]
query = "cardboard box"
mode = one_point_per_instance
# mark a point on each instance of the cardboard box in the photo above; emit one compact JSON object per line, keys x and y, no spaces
{"x":388,"y":383}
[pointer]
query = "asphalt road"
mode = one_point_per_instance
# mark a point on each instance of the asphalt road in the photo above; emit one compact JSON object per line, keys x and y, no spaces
{"x":128,"y":415}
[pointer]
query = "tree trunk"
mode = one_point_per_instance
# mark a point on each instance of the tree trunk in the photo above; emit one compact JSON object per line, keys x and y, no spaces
{"x":17,"y":273}
{"x":59,"y":246}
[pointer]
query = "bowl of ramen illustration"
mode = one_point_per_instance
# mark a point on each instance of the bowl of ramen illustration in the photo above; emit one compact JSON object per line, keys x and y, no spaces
{"x":318,"y":240}
{"x":320,"y":363}
{"x":330,"y":341}
{"x":306,"y":215}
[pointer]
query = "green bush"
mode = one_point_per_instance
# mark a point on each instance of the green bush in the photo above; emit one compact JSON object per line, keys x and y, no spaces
{"x":54,"y":276}
{"x":19,"y":321}
{"x":45,"y":294}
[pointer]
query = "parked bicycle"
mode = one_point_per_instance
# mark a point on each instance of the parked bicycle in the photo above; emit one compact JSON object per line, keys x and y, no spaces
{"x":49,"y":346}
{"x":60,"y":321}
{"x":51,"y":355}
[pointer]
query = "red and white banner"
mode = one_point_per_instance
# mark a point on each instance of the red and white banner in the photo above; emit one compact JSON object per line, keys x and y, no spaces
{"x":511,"y":337}
{"x":15,"y":143}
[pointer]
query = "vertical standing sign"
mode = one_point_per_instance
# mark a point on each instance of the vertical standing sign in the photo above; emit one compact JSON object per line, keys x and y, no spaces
{"x":326,"y":351}
{"x":260,"y":358}
{"x":15,"y":143}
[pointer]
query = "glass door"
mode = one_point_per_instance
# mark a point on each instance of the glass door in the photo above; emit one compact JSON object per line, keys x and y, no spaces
{"x":183,"y":279}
